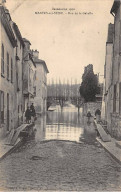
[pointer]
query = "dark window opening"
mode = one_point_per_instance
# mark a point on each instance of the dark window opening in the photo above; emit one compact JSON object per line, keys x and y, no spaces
{"x":11,"y":71}
{"x":7,"y":65}
{"x":114,"y":99}
{"x":1,"y":107}
{"x":2,"y":59}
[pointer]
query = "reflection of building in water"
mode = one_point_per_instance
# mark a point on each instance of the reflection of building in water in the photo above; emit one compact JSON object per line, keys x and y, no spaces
{"x":68,"y":116}
{"x":63,"y":132}
{"x":64,"y":125}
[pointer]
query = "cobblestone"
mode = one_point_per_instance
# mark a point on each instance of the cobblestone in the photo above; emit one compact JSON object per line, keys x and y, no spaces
{"x":63,"y":166}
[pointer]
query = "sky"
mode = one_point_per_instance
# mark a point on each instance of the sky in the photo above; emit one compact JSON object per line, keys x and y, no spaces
{"x":66,"y":42}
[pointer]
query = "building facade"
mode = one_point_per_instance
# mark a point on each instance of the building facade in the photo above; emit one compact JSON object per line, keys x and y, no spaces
{"x":22,"y":76}
{"x":113,"y":74}
{"x":7,"y":72}
{"x":18,"y":84}
{"x":108,"y":98}
{"x":41,"y":83}
{"x":29,"y":75}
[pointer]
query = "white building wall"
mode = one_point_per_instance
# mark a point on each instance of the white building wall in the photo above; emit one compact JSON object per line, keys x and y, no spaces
{"x":41,"y":89}
{"x":5,"y":85}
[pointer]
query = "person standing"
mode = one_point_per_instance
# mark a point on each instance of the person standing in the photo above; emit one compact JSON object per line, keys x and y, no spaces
{"x":98,"y":115}
{"x":32,"y":106}
{"x":28,"y":115}
{"x":33,"y":113}
{"x":89,"y":116}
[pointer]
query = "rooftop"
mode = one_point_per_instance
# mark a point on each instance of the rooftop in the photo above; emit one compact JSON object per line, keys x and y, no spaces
{"x":18,"y":33}
{"x":115,"y":7}
{"x":26,"y":40}
{"x":36,"y":60}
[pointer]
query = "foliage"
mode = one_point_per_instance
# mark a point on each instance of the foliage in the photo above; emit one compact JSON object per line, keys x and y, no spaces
{"x":89,"y":86}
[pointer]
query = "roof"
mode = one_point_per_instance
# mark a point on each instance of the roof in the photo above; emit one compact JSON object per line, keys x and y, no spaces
{"x":26,"y":40}
{"x":110,"y":33}
{"x":7,"y":26}
{"x":17,"y":31}
{"x":115,"y":7}
{"x":38,"y":61}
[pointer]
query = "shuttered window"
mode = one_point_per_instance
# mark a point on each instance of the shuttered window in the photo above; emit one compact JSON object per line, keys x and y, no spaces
{"x":11,"y":70}
{"x":2,"y":59}
{"x":1,"y":107}
{"x":7,"y":65}
{"x":114,"y":99}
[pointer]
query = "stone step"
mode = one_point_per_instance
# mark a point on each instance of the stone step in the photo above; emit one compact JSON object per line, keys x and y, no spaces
{"x":104,"y":136}
{"x":16,"y":135}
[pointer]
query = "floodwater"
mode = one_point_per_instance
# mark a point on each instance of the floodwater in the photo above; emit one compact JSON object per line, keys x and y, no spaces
{"x":56,"y":165}
{"x":63,"y":124}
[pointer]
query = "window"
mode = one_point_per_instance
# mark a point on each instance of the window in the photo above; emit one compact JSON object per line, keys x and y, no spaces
{"x":1,"y":107}
{"x":114,"y":99}
{"x":17,"y":79}
{"x":7,"y":65}
{"x":11,"y":70}
{"x":34,"y":90}
{"x":2,"y":59}
{"x":8,"y":112}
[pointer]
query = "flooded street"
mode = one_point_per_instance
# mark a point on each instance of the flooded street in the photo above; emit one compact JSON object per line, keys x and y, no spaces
{"x":63,"y":156}
{"x":66,"y":124}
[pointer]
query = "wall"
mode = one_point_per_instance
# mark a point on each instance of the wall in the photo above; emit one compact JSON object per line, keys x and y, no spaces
{"x":108,"y":97}
{"x":116,"y":125}
{"x":115,"y":116}
{"x":38,"y":83}
{"x":18,"y":112}
{"x":5,"y":85}
{"x":41,"y":89}
{"x":29,"y":71}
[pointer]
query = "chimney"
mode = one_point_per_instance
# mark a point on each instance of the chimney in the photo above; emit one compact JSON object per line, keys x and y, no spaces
{"x":2,"y":2}
{"x":35,"y":54}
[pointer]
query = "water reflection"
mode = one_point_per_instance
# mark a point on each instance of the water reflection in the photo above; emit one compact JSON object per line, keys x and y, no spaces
{"x":66,"y":124}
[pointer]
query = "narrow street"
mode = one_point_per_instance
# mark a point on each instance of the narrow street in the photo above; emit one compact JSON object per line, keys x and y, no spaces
{"x":59,"y":158}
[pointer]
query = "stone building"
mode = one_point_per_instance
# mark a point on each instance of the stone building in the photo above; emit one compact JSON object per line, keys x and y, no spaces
{"x":19,"y":75}
{"x":29,"y":75}
{"x":108,"y":98}
{"x":18,"y":84}
{"x":113,"y":73}
{"x":41,"y":83}
{"x":7,"y":72}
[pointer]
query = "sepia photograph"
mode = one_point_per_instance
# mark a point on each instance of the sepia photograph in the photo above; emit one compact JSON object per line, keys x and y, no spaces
{"x":60,"y":96}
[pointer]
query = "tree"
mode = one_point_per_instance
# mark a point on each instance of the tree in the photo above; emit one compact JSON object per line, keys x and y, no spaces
{"x":89,"y":86}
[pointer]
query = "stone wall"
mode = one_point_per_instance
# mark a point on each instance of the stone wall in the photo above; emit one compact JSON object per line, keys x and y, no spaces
{"x":116,"y":126}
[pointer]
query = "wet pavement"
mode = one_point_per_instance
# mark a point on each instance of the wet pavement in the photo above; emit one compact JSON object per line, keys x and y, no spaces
{"x":63,"y":156}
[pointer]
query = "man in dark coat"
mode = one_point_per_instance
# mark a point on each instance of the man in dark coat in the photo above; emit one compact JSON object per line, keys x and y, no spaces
{"x":33,"y":113}
{"x":28,"y":115}
{"x":89,"y":116}
{"x":98,"y":115}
